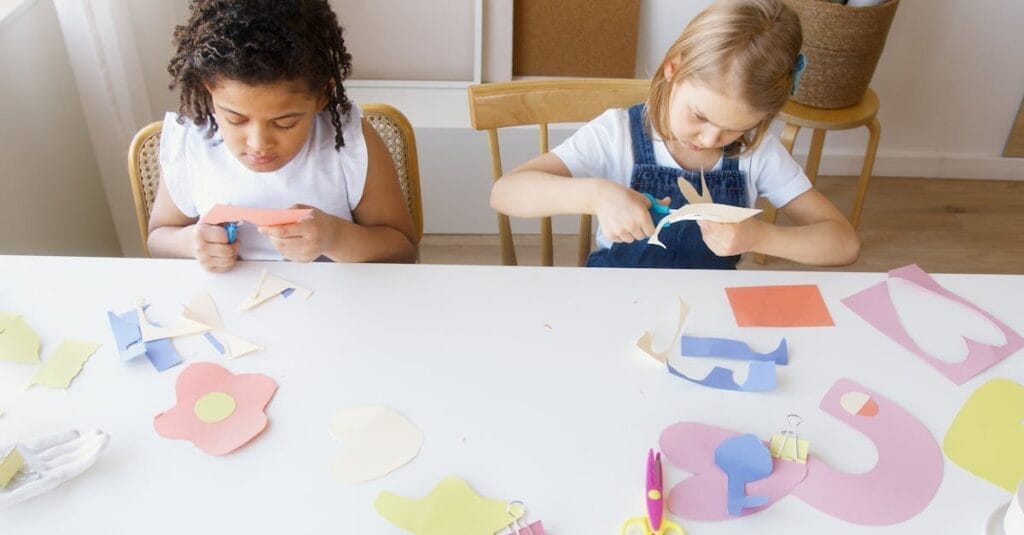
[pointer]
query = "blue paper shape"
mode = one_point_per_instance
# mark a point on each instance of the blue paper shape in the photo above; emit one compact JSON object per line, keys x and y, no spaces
{"x":743,"y":459}
{"x":214,"y":342}
{"x":697,"y":346}
{"x":760,"y":378}
{"x":287,"y":291}
{"x":128,"y":335}
{"x":162,"y":355}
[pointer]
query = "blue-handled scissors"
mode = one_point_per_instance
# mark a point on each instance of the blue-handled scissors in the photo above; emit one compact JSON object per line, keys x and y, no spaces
{"x":232,"y":229}
{"x":653,"y":523}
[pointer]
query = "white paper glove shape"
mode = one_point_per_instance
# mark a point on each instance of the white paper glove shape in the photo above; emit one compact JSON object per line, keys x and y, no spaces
{"x":52,"y":460}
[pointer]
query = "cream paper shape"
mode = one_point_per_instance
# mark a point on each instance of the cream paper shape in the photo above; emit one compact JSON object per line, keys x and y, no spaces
{"x":700,"y":206}
{"x":203,"y":309}
{"x":269,"y":286}
{"x":151,"y":332}
{"x":377,"y":441}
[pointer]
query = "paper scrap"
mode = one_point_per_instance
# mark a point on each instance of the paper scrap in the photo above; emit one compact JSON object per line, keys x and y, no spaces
{"x":222,"y":213}
{"x":128,"y":338}
{"x":18,"y":342}
{"x":858,"y":404}
{"x":204,"y":392}
{"x":743,"y":459}
{"x":269,"y":286}
{"x":719,"y":213}
{"x":64,"y":364}
{"x":203,"y":309}
{"x":451,"y":508}
{"x":377,"y":441}
{"x":162,"y":354}
{"x":779,"y":306}
{"x":11,"y":462}
{"x":151,"y":332}
{"x":987,"y":435}
{"x":760,"y":377}
{"x":695,"y":346}
{"x":646,"y":341}
{"x":690,"y":193}
{"x":875,"y":306}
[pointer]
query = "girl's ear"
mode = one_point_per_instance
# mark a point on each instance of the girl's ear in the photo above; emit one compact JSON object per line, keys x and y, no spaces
{"x":668,"y":70}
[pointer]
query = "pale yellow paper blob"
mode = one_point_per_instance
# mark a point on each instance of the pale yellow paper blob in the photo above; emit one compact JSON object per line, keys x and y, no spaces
{"x":451,"y":508}
{"x":64,"y":364}
{"x":215,"y":407}
{"x":987,"y":436}
{"x":18,"y":342}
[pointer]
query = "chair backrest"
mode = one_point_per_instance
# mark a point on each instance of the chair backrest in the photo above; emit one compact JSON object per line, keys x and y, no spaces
{"x":544,"y":102}
{"x":390,"y":124}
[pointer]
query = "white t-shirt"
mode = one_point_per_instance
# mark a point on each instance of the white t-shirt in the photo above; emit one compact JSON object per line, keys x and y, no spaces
{"x":200,"y":172}
{"x":604,"y":148}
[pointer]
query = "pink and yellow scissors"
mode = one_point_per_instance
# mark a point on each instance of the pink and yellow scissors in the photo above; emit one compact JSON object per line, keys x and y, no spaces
{"x":654,"y":522}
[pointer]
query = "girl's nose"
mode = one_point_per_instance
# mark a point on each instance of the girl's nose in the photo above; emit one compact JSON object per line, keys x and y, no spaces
{"x":258,"y":138}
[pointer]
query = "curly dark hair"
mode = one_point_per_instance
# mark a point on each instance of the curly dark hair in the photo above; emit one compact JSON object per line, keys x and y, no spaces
{"x":259,"y":42}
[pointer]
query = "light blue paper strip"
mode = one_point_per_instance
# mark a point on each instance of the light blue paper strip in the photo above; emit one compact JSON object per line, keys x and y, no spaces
{"x":697,"y":346}
{"x":760,"y":378}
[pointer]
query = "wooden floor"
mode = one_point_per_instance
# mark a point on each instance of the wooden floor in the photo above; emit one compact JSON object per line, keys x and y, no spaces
{"x":945,"y":226}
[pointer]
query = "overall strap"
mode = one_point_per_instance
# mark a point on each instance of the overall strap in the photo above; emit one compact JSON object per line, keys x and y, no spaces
{"x":643,"y":150}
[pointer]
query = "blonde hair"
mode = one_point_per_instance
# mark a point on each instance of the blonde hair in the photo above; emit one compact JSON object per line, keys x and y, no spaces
{"x":752,"y":44}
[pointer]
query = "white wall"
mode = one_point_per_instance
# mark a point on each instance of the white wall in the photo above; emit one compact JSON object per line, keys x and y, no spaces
{"x":53,"y":200}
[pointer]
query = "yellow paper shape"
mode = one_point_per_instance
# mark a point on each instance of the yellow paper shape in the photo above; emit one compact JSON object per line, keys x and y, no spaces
{"x":987,"y":435}
{"x":18,"y":342}
{"x":793,"y":451}
{"x":64,"y":364}
{"x":10,"y":463}
{"x":451,"y":508}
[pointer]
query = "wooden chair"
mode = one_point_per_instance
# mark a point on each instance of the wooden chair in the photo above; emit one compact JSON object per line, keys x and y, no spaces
{"x":390,"y":124}
{"x":518,"y":103}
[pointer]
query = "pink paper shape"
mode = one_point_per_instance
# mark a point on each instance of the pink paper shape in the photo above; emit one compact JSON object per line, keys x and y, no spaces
{"x":223,"y":213}
{"x":251,"y":392}
{"x":902,"y":483}
{"x":691,"y":447}
{"x":875,"y":306}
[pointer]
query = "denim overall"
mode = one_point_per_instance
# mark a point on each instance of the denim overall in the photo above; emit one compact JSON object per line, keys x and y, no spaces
{"x":685,"y":247}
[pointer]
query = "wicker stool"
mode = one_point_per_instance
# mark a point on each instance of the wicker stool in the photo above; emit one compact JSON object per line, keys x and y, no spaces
{"x":797,"y":116}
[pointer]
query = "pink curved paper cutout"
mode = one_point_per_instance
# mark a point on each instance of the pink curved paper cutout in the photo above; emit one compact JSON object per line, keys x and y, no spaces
{"x":691,"y":447}
{"x":903,"y":481}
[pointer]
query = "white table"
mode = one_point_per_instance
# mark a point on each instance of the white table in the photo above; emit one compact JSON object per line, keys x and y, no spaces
{"x":525,"y":381}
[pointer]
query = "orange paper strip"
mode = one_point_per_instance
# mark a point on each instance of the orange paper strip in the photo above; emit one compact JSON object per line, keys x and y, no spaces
{"x":779,"y":306}
{"x":222,"y":213}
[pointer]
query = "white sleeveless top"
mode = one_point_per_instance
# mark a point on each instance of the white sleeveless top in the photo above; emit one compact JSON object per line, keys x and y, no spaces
{"x":200,"y":172}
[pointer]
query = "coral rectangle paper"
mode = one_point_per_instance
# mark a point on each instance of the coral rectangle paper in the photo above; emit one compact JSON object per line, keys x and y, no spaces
{"x":779,"y":306}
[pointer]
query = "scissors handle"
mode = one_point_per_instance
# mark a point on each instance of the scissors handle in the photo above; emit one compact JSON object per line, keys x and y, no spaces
{"x":639,"y":525}
{"x":232,"y":229}
{"x":656,"y":206}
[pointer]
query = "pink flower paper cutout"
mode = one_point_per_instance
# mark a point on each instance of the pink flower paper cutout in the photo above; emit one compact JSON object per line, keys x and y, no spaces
{"x":217,"y":410}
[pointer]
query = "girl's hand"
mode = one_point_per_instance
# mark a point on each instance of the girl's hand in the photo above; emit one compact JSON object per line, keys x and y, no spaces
{"x":210,"y":246}
{"x":306,"y":240}
{"x":623,"y":213}
{"x":728,"y":239}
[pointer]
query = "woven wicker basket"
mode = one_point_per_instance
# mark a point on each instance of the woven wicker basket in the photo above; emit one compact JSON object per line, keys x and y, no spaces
{"x":842,"y":45}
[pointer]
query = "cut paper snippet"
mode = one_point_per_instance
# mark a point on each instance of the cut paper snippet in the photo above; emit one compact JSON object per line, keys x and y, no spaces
{"x":223,"y":213}
{"x":690,"y":193}
{"x":152,"y":332}
{"x":798,"y":305}
{"x":451,"y":508}
{"x":128,"y":337}
{"x":64,"y":364}
{"x":377,"y":441}
{"x":204,"y":392}
{"x":203,"y":309}
{"x":11,"y":462}
{"x":875,"y":305}
{"x":743,"y":459}
{"x":646,"y":341}
{"x":901,"y":484}
{"x":858,"y":404}
{"x":719,"y":213}
{"x":18,"y":342}
{"x":269,"y":286}
{"x":987,"y":435}
{"x":696,"y":346}
{"x":760,"y":378}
